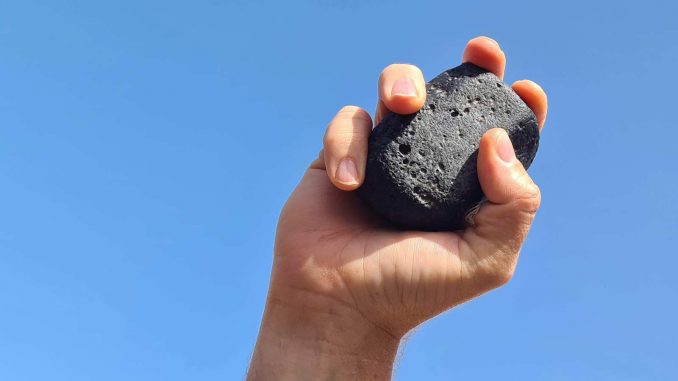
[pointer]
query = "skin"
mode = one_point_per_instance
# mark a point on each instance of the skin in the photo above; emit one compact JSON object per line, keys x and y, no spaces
{"x":345,"y":288}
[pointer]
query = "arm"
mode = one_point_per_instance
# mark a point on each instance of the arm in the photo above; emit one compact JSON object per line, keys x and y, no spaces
{"x":302,"y":344}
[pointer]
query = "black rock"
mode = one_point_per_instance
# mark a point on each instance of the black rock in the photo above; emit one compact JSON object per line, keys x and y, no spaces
{"x":421,"y":168}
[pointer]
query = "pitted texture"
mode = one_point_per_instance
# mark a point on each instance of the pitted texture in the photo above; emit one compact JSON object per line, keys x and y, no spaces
{"x":421,"y":168}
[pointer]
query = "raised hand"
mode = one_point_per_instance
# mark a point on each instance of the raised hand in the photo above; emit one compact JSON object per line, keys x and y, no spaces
{"x":345,"y":286}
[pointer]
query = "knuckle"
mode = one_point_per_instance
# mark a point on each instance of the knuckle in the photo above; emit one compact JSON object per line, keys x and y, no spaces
{"x":503,"y":275}
{"x":353,"y":114}
{"x":530,"y":200}
{"x":349,"y":109}
{"x":341,"y":138}
{"x":330,"y":139}
{"x":334,"y":140}
{"x":350,"y":123}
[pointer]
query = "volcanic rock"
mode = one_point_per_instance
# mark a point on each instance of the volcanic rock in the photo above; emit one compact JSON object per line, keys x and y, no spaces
{"x":421,"y":168}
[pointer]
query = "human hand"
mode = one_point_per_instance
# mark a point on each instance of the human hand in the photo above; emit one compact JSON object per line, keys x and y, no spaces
{"x":345,"y":285}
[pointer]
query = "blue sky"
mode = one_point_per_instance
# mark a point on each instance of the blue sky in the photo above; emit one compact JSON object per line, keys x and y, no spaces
{"x":146,"y":148}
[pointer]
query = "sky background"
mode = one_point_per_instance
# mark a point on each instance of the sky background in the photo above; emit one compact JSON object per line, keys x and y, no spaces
{"x":147,"y":147}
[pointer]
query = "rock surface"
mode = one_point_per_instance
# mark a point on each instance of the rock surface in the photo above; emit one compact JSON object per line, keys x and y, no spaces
{"x":421,"y":168}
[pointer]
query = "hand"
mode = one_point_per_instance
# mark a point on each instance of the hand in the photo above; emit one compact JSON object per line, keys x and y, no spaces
{"x":345,"y":288}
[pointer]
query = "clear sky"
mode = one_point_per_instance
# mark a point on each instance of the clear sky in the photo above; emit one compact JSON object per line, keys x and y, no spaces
{"x":146,"y":148}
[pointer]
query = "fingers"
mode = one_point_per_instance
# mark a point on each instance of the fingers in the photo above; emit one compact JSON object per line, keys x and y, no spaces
{"x":535,"y":98}
{"x":486,"y":53}
{"x":501,"y":225}
{"x":345,"y":147}
{"x":402,"y":90}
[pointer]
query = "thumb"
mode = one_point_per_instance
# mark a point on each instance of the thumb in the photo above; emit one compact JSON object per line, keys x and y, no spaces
{"x":501,"y":225}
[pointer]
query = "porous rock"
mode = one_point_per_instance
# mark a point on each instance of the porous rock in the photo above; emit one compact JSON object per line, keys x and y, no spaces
{"x":421,"y":168}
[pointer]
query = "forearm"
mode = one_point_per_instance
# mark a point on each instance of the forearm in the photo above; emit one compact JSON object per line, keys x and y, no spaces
{"x":320,"y":344}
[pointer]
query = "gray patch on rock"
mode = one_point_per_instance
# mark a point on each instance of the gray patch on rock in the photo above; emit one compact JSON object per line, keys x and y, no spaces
{"x":421,"y":168}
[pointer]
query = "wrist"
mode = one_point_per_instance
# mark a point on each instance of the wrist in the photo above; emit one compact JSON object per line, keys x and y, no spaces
{"x":315,"y":338}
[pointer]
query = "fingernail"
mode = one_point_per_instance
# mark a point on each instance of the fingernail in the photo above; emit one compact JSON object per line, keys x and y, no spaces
{"x":347,"y":172}
{"x":505,"y":148}
{"x":404,"y":87}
